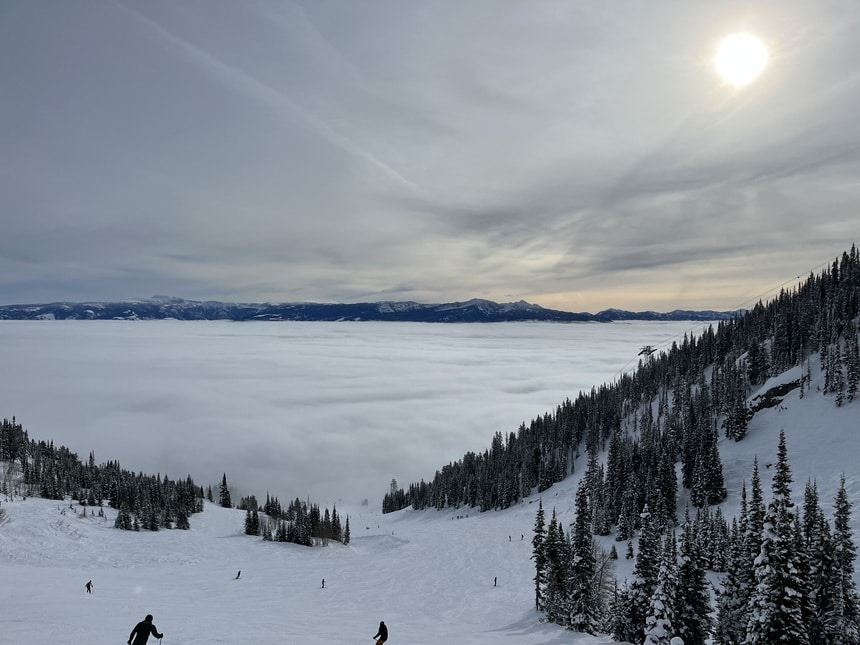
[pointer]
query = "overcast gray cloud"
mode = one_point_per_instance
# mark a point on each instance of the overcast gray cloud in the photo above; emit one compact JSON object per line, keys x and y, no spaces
{"x":575,"y":154}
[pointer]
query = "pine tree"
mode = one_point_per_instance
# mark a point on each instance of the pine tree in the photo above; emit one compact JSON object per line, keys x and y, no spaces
{"x":661,"y":610}
{"x":692,"y":606}
{"x":557,"y":553}
{"x":731,"y":611}
{"x":842,"y":618}
{"x":853,"y":365}
{"x":619,"y":617}
{"x":583,"y":600}
{"x":751,"y":548}
{"x":817,"y":545}
{"x":645,"y":572}
{"x":777,"y":601}
{"x":539,"y":556}
{"x":123,"y":519}
{"x":224,"y":493}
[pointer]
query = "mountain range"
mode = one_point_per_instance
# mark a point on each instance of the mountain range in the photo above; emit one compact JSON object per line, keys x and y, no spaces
{"x":475,"y":310}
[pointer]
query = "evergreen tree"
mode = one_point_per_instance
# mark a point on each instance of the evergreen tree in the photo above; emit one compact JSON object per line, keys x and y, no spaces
{"x":619,"y":617}
{"x":818,"y":568}
{"x":842,"y":617}
{"x":182,"y":519}
{"x":224,"y":494}
{"x":731,"y":610}
{"x":584,"y":612}
{"x":692,"y":602}
{"x":777,"y":603}
{"x":123,"y":519}
{"x":661,"y":611}
{"x":645,"y":573}
{"x":557,"y":553}
{"x":539,"y":555}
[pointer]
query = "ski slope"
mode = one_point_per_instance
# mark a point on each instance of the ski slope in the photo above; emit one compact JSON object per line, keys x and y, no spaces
{"x":428,"y":575}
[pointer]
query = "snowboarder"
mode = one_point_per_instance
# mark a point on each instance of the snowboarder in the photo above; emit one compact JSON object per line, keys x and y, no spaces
{"x":89,"y":586}
{"x":382,"y":634}
{"x":142,"y":630}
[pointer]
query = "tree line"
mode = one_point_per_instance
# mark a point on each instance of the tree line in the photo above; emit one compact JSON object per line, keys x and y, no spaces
{"x":300,"y":522}
{"x":671,"y":409}
{"x":41,"y":469}
{"x":149,"y":502}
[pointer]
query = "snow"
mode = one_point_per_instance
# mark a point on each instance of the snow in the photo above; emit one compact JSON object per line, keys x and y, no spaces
{"x":429,"y":575}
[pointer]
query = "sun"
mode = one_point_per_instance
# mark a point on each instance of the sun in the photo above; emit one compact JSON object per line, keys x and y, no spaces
{"x":740,"y":58}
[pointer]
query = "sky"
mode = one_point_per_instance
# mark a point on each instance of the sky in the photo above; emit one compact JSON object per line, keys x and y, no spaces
{"x":577,"y":155}
{"x":428,"y":574}
{"x":330,"y":412}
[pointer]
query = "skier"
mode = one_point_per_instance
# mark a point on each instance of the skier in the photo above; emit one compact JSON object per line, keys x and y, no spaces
{"x":238,"y":574}
{"x":89,"y":586}
{"x":142,"y":630}
{"x":382,"y":634}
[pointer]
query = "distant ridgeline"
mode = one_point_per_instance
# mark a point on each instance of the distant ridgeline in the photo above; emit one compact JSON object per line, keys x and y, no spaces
{"x":820,"y":315}
{"x":471,"y":311}
{"x":39,"y":469}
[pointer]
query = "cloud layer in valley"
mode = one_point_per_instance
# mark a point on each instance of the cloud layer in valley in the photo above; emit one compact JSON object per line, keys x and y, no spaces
{"x":332,"y":411}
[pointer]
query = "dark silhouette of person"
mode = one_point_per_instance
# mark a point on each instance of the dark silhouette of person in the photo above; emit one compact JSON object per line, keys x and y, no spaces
{"x":494,"y":581}
{"x":238,"y":574}
{"x":142,"y":630}
{"x":323,"y":584}
{"x":89,"y":586}
{"x":382,"y":634}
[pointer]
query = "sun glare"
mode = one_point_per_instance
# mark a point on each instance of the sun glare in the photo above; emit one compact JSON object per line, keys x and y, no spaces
{"x":740,"y":58}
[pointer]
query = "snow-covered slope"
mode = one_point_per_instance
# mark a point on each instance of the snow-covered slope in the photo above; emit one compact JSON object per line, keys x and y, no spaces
{"x":428,"y":575}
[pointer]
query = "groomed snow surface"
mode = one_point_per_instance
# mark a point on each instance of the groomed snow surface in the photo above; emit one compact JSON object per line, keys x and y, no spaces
{"x":428,"y":575}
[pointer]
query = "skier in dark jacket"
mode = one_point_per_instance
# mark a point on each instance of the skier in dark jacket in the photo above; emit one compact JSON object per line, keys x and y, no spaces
{"x":142,"y":630}
{"x":382,"y":634}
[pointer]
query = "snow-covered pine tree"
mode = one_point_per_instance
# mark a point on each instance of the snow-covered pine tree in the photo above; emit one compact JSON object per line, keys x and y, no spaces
{"x":618,"y":619}
{"x":539,"y":555}
{"x":659,"y":627}
{"x":730,"y":627}
{"x":842,"y":618}
{"x":692,"y":601}
{"x":751,"y":542}
{"x":777,"y":601}
{"x":817,"y":545}
{"x":645,"y":572}
{"x":583,"y":597}
{"x":557,"y":553}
